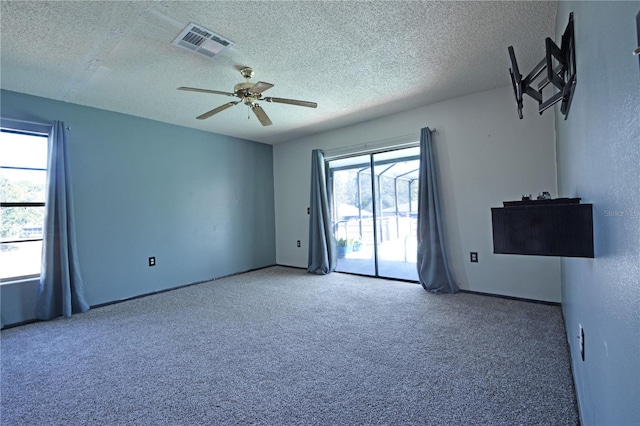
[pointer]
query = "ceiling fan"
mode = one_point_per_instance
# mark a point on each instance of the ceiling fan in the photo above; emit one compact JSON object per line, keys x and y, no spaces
{"x":248,"y":93}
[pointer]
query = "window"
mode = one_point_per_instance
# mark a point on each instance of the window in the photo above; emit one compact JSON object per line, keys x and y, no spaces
{"x":23,"y":181}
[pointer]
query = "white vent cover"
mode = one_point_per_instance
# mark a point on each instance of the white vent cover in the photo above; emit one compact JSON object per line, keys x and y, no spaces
{"x":201,"y":40}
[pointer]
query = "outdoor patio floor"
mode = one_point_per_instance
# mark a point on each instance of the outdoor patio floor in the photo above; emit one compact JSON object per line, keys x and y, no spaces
{"x":391,"y":261}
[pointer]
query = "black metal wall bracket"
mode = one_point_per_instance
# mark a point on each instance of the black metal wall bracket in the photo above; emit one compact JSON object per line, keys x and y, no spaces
{"x":560,"y":66}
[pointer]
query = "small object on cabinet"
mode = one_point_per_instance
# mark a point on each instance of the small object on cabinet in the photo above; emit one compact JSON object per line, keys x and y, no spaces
{"x":544,"y":196}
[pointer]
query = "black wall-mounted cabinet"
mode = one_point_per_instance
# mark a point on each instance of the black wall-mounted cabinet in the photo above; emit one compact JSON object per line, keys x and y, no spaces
{"x":561,"y":227}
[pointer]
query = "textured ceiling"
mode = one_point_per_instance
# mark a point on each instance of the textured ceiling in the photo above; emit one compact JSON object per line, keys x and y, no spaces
{"x":357,"y":60}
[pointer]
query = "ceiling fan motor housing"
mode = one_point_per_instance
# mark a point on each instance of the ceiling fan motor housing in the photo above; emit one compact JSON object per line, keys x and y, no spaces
{"x":241,"y":90}
{"x":242,"y":87}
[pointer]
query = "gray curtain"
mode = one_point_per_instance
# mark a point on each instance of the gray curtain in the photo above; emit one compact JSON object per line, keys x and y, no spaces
{"x":433,"y":269}
{"x":61,"y":286}
{"x":322,"y":247}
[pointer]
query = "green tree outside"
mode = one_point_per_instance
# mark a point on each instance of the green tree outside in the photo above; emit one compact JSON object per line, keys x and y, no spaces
{"x":15,"y":221}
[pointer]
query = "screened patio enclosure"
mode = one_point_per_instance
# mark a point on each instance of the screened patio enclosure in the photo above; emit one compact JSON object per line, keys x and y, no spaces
{"x":374,"y":212}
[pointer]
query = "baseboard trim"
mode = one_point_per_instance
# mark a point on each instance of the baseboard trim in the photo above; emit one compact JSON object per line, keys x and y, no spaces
{"x":479,"y":293}
{"x":292,"y":267}
{"x":19,"y":324}
{"x":519,"y":299}
{"x":100,"y":305}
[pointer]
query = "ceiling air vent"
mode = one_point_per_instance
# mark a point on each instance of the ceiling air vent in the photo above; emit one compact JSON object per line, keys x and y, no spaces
{"x":201,"y":40}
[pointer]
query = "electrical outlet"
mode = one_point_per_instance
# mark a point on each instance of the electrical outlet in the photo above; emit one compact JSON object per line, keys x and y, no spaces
{"x":298,"y":243}
{"x":308,"y":210}
{"x":581,"y":340}
{"x":473,"y":256}
{"x":152,"y":261}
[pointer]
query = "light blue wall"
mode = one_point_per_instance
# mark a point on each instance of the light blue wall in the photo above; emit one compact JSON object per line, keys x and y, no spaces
{"x":598,"y":151}
{"x":200,"y":202}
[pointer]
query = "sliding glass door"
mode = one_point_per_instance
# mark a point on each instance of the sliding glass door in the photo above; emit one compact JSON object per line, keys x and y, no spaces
{"x":352,"y":214}
{"x":396,"y":175}
{"x":375,"y":209}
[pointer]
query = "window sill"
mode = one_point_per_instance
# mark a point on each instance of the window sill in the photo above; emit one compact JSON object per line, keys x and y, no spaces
{"x":19,"y":280}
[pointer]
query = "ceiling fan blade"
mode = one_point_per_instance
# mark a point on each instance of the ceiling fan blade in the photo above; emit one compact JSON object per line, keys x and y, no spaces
{"x":260,"y":87}
{"x":215,"y":92}
{"x":262,"y":116}
{"x":217,"y":110}
{"x":292,"y":102}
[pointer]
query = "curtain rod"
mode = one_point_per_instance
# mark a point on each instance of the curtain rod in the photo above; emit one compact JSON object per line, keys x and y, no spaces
{"x":411,"y":139}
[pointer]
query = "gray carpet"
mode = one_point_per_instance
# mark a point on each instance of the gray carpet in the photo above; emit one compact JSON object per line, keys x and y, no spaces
{"x":279,"y":346}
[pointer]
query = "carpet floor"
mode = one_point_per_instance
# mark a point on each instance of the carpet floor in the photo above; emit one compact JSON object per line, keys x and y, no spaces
{"x":279,"y":346}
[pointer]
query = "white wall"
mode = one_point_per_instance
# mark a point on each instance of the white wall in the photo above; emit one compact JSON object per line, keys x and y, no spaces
{"x":486,"y":155}
{"x":599,"y":161}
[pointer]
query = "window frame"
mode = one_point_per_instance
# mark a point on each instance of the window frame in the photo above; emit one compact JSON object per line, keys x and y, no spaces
{"x":31,"y":129}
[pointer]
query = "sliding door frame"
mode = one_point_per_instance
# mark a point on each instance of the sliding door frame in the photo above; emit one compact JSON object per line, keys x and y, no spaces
{"x":374,"y":197}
